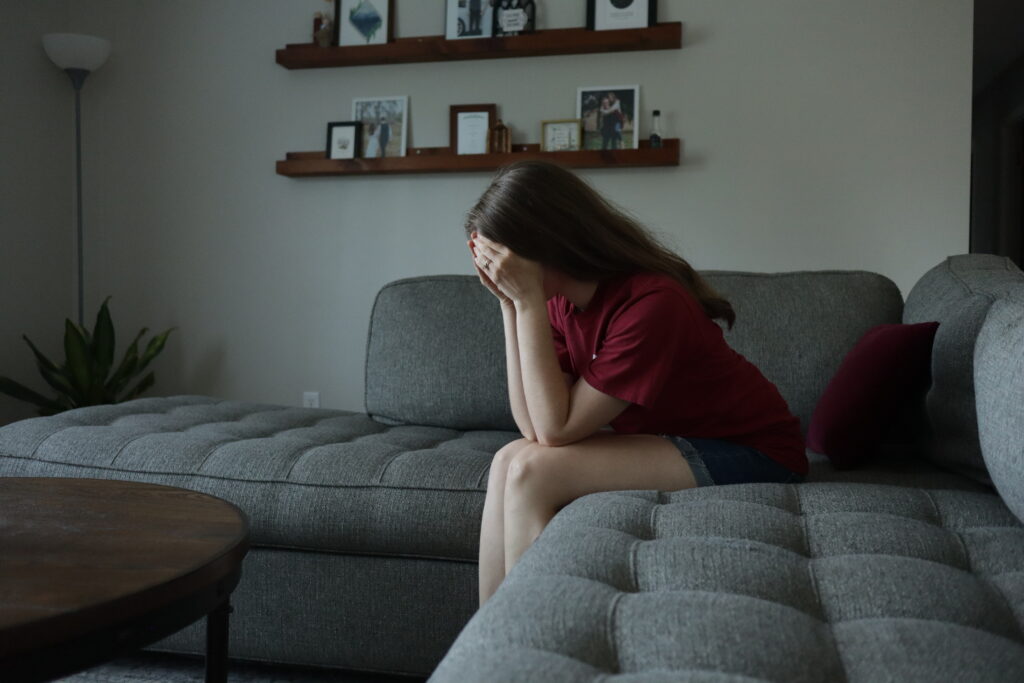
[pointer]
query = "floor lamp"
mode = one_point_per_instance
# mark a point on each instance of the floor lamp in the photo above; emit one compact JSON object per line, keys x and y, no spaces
{"x":78,"y":56}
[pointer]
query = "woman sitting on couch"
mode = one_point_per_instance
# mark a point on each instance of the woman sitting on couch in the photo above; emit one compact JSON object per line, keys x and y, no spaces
{"x":605,"y":326}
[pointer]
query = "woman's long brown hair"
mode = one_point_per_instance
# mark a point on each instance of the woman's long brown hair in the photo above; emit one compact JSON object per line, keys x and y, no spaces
{"x":547,"y":214}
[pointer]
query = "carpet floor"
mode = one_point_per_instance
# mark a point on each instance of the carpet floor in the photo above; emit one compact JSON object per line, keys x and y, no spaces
{"x":150,"y":667}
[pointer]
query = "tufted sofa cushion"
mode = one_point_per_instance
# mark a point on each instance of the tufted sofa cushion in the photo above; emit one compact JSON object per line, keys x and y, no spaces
{"x":999,"y":383}
{"x":814,"y":582}
{"x":958,"y":294}
{"x":308,"y":479}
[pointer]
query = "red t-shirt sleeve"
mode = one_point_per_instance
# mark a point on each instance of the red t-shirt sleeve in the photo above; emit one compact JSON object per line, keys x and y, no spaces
{"x":641,"y":341}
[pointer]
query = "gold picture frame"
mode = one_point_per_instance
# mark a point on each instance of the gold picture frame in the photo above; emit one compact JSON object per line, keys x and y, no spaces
{"x":561,"y":135}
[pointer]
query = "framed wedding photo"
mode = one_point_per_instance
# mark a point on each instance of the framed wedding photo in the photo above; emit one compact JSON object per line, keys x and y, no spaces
{"x":385,"y":125}
{"x":609,"y":115}
{"x":344,"y":139}
{"x":610,"y":15}
{"x":363,"y":22}
{"x":561,"y":135}
{"x":471,"y":127}
{"x":469,"y":19}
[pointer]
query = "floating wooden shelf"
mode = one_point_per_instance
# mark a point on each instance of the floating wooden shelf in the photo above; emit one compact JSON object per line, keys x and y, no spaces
{"x":442,"y":160}
{"x":562,"y":41}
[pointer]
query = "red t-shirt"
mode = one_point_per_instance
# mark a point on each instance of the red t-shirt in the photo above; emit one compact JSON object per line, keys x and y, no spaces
{"x":645,"y":339}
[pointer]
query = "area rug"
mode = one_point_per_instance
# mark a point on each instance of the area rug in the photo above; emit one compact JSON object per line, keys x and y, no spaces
{"x":160,"y":668}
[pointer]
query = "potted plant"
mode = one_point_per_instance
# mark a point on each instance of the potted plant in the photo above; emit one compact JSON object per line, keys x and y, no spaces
{"x":87,"y":377}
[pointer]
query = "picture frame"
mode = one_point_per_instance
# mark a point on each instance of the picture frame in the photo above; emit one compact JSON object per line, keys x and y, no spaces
{"x":344,"y":139}
{"x":363,"y":22}
{"x":470,"y":126}
{"x":469,"y":19}
{"x":385,"y":126}
{"x":514,"y":17}
{"x":613,"y":15}
{"x":610,"y":116}
{"x":561,"y":135}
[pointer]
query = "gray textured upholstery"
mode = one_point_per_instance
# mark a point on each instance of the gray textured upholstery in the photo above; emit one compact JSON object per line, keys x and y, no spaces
{"x":769,"y":582}
{"x":307,"y":478}
{"x":436,"y":355}
{"x":797,"y":327}
{"x":958,"y":293}
{"x":999,"y":385}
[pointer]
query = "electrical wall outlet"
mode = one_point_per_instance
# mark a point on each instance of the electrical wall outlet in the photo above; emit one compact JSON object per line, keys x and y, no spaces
{"x":311,"y":399}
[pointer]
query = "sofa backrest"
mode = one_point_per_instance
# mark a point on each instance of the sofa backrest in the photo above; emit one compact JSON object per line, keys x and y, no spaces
{"x":999,"y":392}
{"x":958,"y":293}
{"x":797,"y":327}
{"x":435,"y":354}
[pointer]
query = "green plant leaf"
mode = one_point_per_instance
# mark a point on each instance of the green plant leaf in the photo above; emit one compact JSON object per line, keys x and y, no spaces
{"x":79,"y":362}
{"x":41,"y":360}
{"x":126,"y":369}
{"x":23,"y":393}
{"x":144,"y":384}
{"x":156,"y":345}
{"x":103,"y":340}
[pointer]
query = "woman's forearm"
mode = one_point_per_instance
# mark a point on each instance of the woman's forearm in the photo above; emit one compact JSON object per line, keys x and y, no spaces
{"x":520,"y":412}
{"x":545,"y":394}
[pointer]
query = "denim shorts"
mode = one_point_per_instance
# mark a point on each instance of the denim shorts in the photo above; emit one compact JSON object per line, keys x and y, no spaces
{"x":714,"y":461}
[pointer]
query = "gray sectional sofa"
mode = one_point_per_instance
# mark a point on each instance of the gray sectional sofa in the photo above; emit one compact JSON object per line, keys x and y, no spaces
{"x":365,"y":526}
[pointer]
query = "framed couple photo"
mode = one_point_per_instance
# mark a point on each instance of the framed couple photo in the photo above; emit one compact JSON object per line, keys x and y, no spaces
{"x":609,"y":116}
{"x":384,"y":125}
{"x":488,"y":18}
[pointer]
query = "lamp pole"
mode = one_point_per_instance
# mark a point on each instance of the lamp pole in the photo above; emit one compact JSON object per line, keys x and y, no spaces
{"x":77,"y":77}
{"x":78,"y":56}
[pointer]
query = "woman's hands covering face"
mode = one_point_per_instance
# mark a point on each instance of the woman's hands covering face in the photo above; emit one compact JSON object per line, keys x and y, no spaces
{"x":509,"y":276}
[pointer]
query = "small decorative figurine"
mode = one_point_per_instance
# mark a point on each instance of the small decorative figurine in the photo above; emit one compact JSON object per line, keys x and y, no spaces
{"x":501,"y":139}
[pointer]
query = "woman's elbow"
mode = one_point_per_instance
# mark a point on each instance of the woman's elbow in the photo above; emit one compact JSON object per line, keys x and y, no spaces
{"x":554,"y":440}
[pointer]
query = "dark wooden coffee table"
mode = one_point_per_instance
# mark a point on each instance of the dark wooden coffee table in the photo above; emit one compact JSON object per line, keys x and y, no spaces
{"x":92,"y":568}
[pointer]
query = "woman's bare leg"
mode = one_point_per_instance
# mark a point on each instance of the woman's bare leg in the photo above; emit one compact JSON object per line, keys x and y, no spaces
{"x":492,"y":536}
{"x":541,"y":480}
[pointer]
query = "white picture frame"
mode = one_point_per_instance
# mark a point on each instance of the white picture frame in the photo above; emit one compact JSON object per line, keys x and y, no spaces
{"x":385,"y":125}
{"x":352,"y":32}
{"x":599,"y":127}
{"x":460,"y":22}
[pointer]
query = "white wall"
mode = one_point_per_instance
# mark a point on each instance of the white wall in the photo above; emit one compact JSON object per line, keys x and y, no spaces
{"x":818,"y":134}
{"x":37,"y":229}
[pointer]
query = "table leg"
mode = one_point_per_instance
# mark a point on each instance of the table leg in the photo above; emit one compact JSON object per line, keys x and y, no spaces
{"x":217,"y":643}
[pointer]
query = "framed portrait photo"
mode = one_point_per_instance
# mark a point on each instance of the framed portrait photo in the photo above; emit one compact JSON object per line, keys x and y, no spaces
{"x":363,"y":22}
{"x":385,"y":125}
{"x":561,"y":135}
{"x":609,"y":115}
{"x":610,"y":15}
{"x":469,"y":19}
{"x":513,"y":17}
{"x":471,"y":127}
{"x":344,"y":139}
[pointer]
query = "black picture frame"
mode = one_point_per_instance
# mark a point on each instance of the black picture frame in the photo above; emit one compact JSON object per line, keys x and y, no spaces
{"x":528,"y":6}
{"x":593,"y":6}
{"x":356,"y":137}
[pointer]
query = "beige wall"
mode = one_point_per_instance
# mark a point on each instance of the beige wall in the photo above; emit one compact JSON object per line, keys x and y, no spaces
{"x":818,"y":135}
{"x":37,"y":229}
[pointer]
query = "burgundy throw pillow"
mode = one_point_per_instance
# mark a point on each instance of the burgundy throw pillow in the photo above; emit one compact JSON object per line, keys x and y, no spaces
{"x":889,"y":367}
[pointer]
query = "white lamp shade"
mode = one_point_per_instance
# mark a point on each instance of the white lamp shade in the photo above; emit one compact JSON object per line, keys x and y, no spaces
{"x":75,"y":51}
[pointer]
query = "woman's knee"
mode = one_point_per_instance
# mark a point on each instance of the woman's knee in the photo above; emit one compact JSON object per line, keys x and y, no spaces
{"x":529,"y":469}
{"x":506,"y":455}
